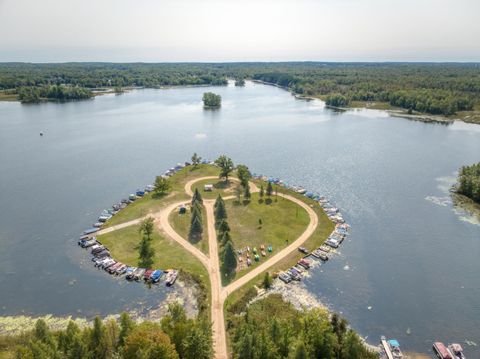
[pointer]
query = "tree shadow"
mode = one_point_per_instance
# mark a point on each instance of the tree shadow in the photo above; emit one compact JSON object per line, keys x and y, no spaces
{"x":268,"y":201}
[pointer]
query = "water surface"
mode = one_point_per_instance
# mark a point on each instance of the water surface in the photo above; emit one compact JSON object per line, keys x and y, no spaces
{"x":411,"y":257}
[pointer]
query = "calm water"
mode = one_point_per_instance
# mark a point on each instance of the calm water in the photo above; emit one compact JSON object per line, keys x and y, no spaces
{"x":410,"y":257}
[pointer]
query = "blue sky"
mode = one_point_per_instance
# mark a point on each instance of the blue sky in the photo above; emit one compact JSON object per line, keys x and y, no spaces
{"x":246,"y":30}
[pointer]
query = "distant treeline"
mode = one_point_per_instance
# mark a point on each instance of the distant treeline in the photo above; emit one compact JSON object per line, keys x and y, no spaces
{"x":469,"y":182}
{"x":174,"y":337}
{"x":428,"y":87}
{"x":31,"y":94}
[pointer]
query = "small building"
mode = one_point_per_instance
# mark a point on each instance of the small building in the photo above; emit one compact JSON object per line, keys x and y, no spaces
{"x":208,"y":188}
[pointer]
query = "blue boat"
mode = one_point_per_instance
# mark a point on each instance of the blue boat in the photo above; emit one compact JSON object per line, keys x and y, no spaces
{"x":90,"y":231}
{"x":140,"y":193}
{"x":155,"y":276}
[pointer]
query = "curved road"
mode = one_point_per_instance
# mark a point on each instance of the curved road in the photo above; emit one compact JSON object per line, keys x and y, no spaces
{"x":211,"y":262}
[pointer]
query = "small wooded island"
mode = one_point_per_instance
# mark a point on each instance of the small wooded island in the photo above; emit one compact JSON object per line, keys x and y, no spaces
{"x":211,"y":100}
{"x":469,"y":182}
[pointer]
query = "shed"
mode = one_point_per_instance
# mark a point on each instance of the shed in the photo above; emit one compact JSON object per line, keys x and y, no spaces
{"x":208,"y":188}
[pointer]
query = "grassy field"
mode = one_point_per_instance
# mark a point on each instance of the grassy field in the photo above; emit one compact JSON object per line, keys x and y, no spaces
{"x":324,"y":228}
{"x":181,"y":224}
{"x":7,"y":96}
{"x":149,"y":204}
{"x":219,"y":187}
{"x":282,"y":222}
{"x":168,"y":254}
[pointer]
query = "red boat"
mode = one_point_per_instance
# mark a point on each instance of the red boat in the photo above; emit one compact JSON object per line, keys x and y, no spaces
{"x":147,"y":274}
{"x":441,"y":350}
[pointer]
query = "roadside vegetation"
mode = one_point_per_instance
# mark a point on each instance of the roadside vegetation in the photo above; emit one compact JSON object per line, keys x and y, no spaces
{"x":469,"y":182}
{"x":447,"y":89}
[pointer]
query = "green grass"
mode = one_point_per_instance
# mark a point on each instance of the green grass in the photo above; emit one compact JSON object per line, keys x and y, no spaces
{"x":149,"y":204}
{"x":7,"y":96}
{"x":220,"y":187}
{"x":282,"y":222}
{"x":168,"y":254}
{"x":323,"y":230}
{"x":181,"y":224}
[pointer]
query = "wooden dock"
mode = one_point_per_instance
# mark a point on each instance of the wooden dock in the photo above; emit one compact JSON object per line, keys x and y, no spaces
{"x":386,"y":348}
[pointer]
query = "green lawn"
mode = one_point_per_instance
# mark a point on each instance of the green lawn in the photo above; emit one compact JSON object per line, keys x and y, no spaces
{"x":282,"y":222}
{"x":168,"y":254}
{"x":181,"y":224}
{"x":220,"y":187}
{"x":149,"y":204}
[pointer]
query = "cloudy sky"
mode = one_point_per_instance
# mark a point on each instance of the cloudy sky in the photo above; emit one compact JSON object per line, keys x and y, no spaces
{"x":239,"y":30}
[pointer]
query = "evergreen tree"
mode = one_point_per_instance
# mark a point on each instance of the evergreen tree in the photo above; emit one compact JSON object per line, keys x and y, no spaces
{"x":220,"y":213}
{"x":197,"y":345}
{"x":223,"y":227}
{"x":218,"y":200}
{"x":247,"y":193}
{"x":98,"y":343}
{"x":146,"y":228}
{"x":196,"y":229}
{"x":243,"y":174}
{"x":261,"y":194}
{"x":238,"y":193}
{"x":126,"y":326}
{"x":78,"y":349}
{"x":197,"y":197}
{"x":145,"y":253}
{"x":301,"y":352}
{"x":196,"y":213}
{"x":225,"y":238}
{"x":269,"y":189}
{"x":229,"y":258}
{"x":267,"y":281}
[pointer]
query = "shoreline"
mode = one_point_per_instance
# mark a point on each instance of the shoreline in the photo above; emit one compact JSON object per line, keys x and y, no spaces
{"x":470,"y":116}
{"x":400,"y":113}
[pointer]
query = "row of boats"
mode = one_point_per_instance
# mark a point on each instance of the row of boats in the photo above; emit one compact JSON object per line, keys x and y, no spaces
{"x":390,"y":349}
{"x":102,"y":259}
{"x":101,"y":255}
{"x":322,"y":254}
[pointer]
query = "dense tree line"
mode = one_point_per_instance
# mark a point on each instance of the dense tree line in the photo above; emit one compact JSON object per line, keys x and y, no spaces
{"x":443,"y":88}
{"x":175,"y":337}
{"x":469,"y":182}
{"x":273,"y":329}
{"x":32,"y":94}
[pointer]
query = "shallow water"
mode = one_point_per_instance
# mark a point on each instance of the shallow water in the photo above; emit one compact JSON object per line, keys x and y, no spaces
{"x":412,"y":259}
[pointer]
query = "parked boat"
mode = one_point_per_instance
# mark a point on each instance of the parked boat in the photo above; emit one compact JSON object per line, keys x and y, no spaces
{"x":140,"y":193}
{"x":147,"y":274}
{"x":90,"y":231}
{"x":155,"y":277}
{"x":441,"y":351}
{"x":303,"y":250}
{"x":129,"y":273}
{"x":121,"y":270}
{"x":292,"y":272}
{"x":172,"y":277}
{"x":304,"y":263}
{"x":391,"y":348}
{"x":98,"y":224}
{"x":139,"y":273}
{"x":456,"y":350}
{"x":320,"y":255}
{"x":114,"y":267}
{"x":284,"y":277}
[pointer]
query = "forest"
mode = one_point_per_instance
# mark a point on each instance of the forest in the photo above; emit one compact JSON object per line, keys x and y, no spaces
{"x":469,"y":182}
{"x":174,"y":337}
{"x":434,"y":88}
{"x":273,"y":329}
{"x":269,"y":328}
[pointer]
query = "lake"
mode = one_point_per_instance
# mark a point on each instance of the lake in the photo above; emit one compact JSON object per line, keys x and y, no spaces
{"x":410,"y":264}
